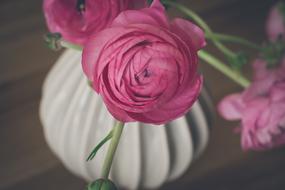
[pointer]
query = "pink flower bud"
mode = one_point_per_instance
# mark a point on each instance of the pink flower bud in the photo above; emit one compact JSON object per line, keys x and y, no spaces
{"x":275,"y":25}
{"x":76,"y":20}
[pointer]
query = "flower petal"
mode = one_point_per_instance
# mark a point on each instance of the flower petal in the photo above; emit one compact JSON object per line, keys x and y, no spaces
{"x":155,"y":15}
{"x":231,"y":107}
{"x":176,"y":108}
{"x":189,"y":32}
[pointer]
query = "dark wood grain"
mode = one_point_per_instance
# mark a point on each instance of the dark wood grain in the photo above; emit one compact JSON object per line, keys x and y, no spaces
{"x":26,"y":163}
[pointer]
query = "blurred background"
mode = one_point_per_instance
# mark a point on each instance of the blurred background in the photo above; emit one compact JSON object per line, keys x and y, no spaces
{"x":26,"y":162}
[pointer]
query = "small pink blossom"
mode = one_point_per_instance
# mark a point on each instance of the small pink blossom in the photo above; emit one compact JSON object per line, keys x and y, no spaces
{"x":144,"y":66}
{"x":261,"y":108}
{"x":77,"y":23}
{"x":275,"y":25}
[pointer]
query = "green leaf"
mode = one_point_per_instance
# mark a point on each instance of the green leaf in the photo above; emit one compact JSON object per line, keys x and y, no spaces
{"x":95,"y":150}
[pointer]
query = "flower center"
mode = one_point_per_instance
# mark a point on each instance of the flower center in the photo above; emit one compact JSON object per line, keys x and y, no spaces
{"x":145,"y":73}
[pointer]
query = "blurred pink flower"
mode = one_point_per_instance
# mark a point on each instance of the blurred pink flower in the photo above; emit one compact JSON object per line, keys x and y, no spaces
{"x":144,"y":66}
{"x":261,"y":108}
{"x":275,"y":25}
{"x":76,"y":20}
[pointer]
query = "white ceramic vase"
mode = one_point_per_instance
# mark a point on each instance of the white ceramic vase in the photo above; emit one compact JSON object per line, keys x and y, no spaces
{"x":75,"y":119}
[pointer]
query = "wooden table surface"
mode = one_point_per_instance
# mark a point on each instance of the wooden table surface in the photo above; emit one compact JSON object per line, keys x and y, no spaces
{"x":26,"y":163}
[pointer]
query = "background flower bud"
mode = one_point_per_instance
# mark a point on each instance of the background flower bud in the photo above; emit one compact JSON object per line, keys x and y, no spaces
{"x":76,"y":20}
{"x":102,"y":184}
{"x":275,"y":26}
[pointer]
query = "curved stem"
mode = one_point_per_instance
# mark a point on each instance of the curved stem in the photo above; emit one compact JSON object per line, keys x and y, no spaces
{"x":221,"y":47}
{"x":117,"y":131}
{"x":191,"y":14}
{"x":219,"y":65}
{"x":234,"y":39}
{"x":203,"y":25}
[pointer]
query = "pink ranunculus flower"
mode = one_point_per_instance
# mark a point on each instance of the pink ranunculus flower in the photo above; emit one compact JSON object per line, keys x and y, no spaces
{"x":144,"y":66}
{"x":261,"y":108}
{"x":275,"y":25}
{"x":76,"y":20}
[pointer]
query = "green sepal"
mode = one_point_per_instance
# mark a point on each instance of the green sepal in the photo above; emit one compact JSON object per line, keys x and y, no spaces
{"x":52,"y":40}
{"x":238,"y":61}
{"x":95,"y":150}
{"x":90,"y":83}
{"x":273,"y":52}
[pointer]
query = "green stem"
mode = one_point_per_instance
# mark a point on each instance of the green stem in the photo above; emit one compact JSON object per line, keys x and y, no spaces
{"x":221,"y":47}
{"x":219,"y":65}
{"x":117,"y":131}
{"x":191,"y":14}
{"x":69,"y":45}
{"x":203,"y":25}
{"x":234,"y":39}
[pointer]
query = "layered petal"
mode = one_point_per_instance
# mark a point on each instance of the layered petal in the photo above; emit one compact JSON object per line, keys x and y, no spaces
{"x":155,"y":15}
{"x":175,"y":108}
{"x":189,"y":32}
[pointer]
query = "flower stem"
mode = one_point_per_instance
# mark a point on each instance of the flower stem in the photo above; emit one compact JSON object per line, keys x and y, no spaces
{"x":235,"y":39}
{"x":219,"y":65}
{"x":69,"y":45}
{"x":189,"y":13}
{"x":117,"y":131}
